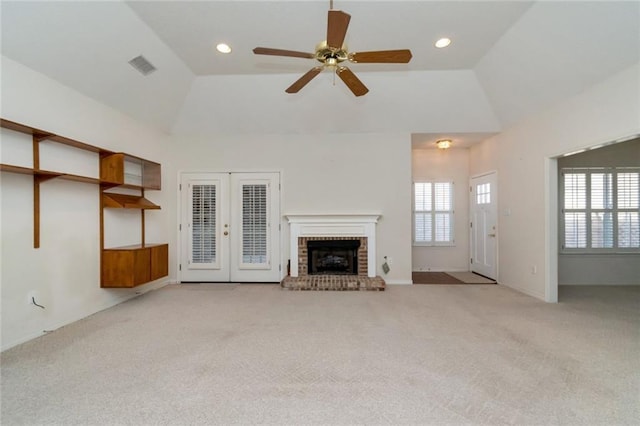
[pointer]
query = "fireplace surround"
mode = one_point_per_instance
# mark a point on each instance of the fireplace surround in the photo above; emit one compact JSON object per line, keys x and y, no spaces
{"x":329,"y":227}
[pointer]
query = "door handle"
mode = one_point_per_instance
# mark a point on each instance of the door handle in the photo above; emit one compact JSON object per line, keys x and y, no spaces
{"x":226,"y":232}
{"x":491,"y":235}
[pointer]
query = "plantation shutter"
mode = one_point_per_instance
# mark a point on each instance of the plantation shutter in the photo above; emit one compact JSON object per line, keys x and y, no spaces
{"x":601,"y":209}
{"x":203,"y":224}
{"x":433,"y":213}
{"x":575,"y":222}
{"x":422,"y":208}
{"x":628,"y":210}
{"x":255,"y":220}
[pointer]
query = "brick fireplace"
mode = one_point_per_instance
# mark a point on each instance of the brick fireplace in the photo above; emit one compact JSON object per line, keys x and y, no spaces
{"x":359,"y":229}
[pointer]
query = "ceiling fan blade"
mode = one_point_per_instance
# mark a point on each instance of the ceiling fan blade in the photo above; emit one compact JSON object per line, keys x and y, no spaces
{"x":337,"y":24}
{"x":302,"y":81}
{"x":352,"y":82}
{"x":401,"y":56}
{"x":281,"y":52}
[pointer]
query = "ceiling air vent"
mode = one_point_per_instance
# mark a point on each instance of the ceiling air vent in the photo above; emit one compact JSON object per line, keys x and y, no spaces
{"x":143,"y":65}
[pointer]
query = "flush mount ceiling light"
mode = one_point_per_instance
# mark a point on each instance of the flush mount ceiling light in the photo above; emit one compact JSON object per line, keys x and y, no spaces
{"x":444,"y":144}
{"x":443,"y":42}
{"x":223,"y":48}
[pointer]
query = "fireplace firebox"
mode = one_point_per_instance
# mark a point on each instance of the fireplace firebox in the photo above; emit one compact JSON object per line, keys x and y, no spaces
{"x":333,"y":257}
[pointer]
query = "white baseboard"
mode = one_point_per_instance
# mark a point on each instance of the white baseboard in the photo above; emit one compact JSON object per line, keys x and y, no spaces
{"x":442,"y":270}
{"x":399,"y":282}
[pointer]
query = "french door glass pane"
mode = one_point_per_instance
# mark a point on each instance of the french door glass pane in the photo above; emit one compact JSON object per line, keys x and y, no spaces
{"x":254,"y":223}
{"x":203,"y":219}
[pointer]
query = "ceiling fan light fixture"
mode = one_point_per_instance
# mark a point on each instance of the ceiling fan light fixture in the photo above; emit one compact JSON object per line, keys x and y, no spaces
{"x":223,"y":48}
{"x":444,"y":144}
{"x":443,"y":42}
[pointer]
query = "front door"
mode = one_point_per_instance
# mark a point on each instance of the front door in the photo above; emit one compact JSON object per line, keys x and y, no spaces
{"x":484,"y":225}
{"x":229,"y":229}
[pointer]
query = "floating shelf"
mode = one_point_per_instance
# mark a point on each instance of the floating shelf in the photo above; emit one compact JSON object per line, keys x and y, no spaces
{"x":123,"y":201}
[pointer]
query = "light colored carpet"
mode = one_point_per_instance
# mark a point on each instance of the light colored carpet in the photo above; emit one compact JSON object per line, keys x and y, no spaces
{"x":471,"y":278}
{"x":256,"y":354}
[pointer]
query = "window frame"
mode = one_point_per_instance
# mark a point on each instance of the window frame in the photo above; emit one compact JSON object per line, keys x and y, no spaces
{"x":432,"y":213}
{"x":588,"y":210}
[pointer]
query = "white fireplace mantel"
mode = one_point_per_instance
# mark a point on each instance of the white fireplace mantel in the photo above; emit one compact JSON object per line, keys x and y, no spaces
{"x":333,"y":225}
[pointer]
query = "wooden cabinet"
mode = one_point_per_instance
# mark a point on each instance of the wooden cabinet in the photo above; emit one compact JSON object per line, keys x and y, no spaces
{"x":134,"y":265}
{"x":129,"y":171}
{"x":121,"y":267}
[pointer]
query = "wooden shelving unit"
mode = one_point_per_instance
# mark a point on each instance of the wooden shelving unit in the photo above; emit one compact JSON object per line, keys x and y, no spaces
{"x":121,"y":267}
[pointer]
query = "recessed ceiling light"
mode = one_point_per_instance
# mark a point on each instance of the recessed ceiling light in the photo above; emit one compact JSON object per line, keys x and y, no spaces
{"x":443,"y":42}
{"x":223,"y":48}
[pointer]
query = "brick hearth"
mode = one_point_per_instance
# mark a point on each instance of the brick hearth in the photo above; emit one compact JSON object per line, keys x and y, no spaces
{"x":334,"y":283}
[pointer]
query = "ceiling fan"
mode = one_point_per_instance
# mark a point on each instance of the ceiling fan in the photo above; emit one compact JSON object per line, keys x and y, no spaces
{"x":332,"y":52}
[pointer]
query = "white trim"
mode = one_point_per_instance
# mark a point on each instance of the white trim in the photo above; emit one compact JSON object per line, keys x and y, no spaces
{"x":400,"y":282}
{"x":333,"y":225}
{"x":551,"y":231}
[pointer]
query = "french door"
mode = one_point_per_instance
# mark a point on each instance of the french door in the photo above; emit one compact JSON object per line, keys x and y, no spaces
{"x":484,"y":225}
{"x":229,"y":230}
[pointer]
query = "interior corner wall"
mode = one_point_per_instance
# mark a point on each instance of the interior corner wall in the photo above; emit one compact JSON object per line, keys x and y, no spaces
{"x":358,"y":173}
{"x":64,"y":273}
{"x":450,"y":165}
{"x":606,"y":112}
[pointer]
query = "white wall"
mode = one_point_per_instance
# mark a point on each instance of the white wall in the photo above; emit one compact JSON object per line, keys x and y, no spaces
{"x":64,"y":273}
{"x":606,"y":112}
{"x":445,"y":165}
{"x":329,"y":173}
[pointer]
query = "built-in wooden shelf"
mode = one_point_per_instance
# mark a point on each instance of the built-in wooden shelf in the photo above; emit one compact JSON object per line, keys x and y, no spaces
{"x":47,"y":174}
{"x":123,"y":201}
{"x":121,"y":267}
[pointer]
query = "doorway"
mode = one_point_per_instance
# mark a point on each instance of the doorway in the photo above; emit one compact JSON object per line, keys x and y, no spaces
{"x":229,"y":227}
{"x":484,"y":225}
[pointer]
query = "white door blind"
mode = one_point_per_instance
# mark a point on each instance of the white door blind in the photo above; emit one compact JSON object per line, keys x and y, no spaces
{"x":255,"y":223}
{"x":203,"y":224}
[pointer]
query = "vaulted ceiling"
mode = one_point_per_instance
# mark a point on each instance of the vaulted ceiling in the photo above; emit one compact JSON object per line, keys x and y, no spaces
{"x":507,"y":60}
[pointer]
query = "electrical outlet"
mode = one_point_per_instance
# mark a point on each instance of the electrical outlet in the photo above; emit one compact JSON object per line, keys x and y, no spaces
{"x":534,"y":269}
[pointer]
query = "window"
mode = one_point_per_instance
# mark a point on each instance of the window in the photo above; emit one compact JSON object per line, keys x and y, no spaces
{"x":483,"y":193}
{"x":600,"y":209}
{"x":433,"y":213}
